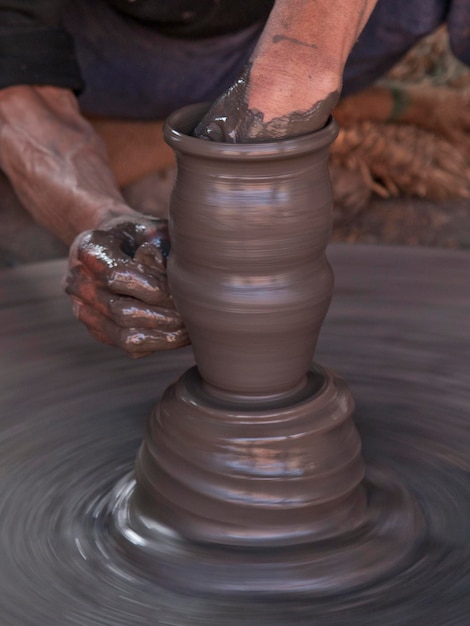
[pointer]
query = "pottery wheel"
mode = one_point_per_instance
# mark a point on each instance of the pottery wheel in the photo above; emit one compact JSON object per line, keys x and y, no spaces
{"x":72,"y":415}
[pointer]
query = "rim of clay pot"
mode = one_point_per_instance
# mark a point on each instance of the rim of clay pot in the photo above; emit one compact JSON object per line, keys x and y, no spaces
{"x":181,"y":123}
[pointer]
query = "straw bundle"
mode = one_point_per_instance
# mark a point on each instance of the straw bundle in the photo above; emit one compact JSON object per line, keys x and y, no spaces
{"x":394,"y":159}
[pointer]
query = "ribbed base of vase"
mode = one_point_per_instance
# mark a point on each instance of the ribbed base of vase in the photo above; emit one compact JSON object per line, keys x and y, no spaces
{"x":262,"y":497}
{"x":389,"y":540}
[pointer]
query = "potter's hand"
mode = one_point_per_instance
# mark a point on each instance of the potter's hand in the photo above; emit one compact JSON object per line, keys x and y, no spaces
{"x":117,"y":280}
{"x":232,"y":119}
{"x":292,"y":81}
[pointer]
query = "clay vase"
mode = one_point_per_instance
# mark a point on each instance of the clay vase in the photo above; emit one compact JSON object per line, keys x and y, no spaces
{"x":250,"y":477}
{"x":249,"y":226}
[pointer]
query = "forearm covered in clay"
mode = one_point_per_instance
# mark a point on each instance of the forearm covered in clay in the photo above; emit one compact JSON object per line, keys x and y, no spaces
{"x":294,"y":76}
{"x":55,"y":161}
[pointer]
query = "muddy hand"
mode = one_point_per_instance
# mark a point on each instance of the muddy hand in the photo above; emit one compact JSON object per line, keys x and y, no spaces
{"x":228,"y":119}
{"x":294,"y":75}
{"x":232,"y":119}
{"x":117,"y":280}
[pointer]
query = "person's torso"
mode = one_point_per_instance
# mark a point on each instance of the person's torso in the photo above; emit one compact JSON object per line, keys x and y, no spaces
{"x":195,"y":18}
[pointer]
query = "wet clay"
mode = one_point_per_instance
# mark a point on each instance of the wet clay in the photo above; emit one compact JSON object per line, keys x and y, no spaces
{"x":249,"y":226}
{"x":398,"y":330}
{"x":255,"y":449}
{"x":230,"y":120}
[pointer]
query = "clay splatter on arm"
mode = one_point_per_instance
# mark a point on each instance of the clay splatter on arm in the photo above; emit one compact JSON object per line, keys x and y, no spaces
{"x":278,"y":38}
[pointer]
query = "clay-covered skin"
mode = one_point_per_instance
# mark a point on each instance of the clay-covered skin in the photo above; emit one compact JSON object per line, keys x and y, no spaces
{"x":230,"y":119}
{"x":117,"y":279}
{"x":294,"y":76}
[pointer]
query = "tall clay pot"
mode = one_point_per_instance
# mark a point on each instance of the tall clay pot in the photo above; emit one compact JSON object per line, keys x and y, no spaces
{"x":248,"y":273}
{"x":250,"y":478}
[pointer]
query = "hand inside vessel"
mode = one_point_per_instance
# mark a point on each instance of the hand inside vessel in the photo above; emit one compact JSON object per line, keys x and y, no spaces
{"x":234,"y":119}
{"x":293,"y":79}
{"x":117,"y":280}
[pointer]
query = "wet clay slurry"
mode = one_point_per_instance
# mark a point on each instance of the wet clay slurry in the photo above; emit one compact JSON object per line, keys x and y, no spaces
{"x":71,"y":419}
{"x":230,"y":120}
{"x":254,"y":448}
